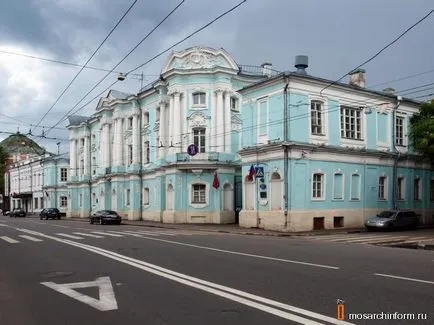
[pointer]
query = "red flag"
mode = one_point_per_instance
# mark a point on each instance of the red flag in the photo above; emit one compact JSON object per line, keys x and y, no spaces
{"x":252,"y":172}
{"x":216,"y":183}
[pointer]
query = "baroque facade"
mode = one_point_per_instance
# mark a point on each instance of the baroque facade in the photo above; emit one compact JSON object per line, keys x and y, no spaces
{"x":283,"y":151}
{"x":132,"y":154}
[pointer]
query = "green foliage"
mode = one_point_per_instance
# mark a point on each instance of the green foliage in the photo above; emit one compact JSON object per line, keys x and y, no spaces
{"x":422,"y":131}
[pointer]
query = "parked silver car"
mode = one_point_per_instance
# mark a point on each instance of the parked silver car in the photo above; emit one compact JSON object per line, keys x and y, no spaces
{"x":393,"y":219}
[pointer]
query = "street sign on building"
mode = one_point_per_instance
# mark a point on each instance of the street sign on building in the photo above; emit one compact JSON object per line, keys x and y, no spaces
{"x":259,"y":172}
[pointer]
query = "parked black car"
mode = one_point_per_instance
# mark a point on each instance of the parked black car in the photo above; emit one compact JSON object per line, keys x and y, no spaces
{"x":17,"y":212}
{"x":105,"y":216}
{"x":52,"y":213}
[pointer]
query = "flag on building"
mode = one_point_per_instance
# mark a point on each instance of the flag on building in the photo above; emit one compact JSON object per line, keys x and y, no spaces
{"x":251,"y":173}
{"x":216,"y":183}
{"x":46,"y":194}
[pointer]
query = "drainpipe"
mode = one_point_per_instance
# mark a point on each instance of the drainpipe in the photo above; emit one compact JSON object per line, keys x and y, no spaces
{"x":285,"y":147}
{"x":396,"y":154}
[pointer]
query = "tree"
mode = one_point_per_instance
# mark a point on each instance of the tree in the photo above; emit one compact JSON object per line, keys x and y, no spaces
{"x":422,"y":130}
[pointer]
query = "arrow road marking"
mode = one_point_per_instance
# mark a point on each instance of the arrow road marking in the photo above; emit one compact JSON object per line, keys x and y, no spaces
{"x":107,"y":300}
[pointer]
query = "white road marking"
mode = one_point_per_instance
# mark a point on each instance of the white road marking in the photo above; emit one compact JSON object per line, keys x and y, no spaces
{"x":106,"y":234}
{"x":61,"y":226}
{"x":107,"y":300}
{"x":30,"y":238}
{"x":404,"y":278}
{"x":9,"y":240}
{"x":267,"y":305}
{"x":377,"y":239}
{"x":88,"y":235}
{"x":358,"y":237}
{"x":138,"y":233}
{"x":69,"y":236}
{"x":156,"y":232}
{"x":125,"y":233}
{"x":3,"y":225}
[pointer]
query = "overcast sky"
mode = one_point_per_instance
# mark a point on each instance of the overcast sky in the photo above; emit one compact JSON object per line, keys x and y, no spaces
{"x":337,"y":35}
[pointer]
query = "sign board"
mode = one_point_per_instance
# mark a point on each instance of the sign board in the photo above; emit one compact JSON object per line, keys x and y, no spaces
{"x":259,"y":172}
{"x":192,"y":149}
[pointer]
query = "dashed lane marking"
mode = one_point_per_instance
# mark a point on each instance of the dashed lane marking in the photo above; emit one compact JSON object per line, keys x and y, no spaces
{"x":69,"y":236}
{"x":30,"y":238}
{"x":9,"y":239}
{"x":87,"y":235}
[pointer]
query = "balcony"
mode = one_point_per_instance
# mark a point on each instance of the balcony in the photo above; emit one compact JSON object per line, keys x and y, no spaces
{"x":203,"y":156}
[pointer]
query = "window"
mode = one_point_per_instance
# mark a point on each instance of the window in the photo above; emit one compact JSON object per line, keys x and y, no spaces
{"x":382,"y":186}
{"x":146,"y":118}
{"x":199,"y":99}
{"x":318,"y":186}
{"x":80,"y":201}
{"x":93,"y":165}
{"x":338,"y":186}
{"x":351,"y":123}
{"x":63,"y":201}
{"x":234,"y":103}
{"x":431,"y":190}
{"x":130,"y":154}
{"x":400,"y":187}
{"x":417,"y":189}
{"x":355,"y":187}
{"x":157,"y":114}
{"x":146,"y":196}
{"x":127,"y":197}
{"x":263,"y":117}
{"x":130,"y":123}
{"x":316,"y":119}
{"x":147,"y":152}
{"x":42,"y":202}
{"x":199,"y":139}
{"x":198,"y":193}
{"x":36,"y":202}
{"x":399,"y":131}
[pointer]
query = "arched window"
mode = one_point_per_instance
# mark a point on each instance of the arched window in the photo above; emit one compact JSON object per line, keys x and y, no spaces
{"x":276,"y":192}
{"x":146,"y":196}
{"x":169,"y":197}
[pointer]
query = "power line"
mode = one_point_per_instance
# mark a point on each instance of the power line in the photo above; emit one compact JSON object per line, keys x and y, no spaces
{"x":123,"y":59}
{"x":417,"y":87}
{"x":379,"y":52}
{"x":403,"y":78}
{"x":88,"y":60}
{"x":63,"y":62}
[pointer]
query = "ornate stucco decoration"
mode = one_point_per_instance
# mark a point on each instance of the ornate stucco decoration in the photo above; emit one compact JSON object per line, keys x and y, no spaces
{"x":198,"y":59}
{"x":385,"y":108}
{"x":197,"y":119}
{"x":236,"y":123}
{"x":128,"y":134}
{"x":146,"y":130}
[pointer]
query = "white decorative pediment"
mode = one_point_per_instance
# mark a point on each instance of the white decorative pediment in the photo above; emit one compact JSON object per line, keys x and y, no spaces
{"x":236,"y":123}
{"x":385,"y":108}
{"x":199,"y":58}
{"x":197,"y":119}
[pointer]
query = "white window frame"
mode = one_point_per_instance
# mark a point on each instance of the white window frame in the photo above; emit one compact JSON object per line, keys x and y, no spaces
{"x":234,"y":104}
{"x":80,"y":200}
{"x":263,"y":137}
{"x":63,"y":201}
{"x":359,"y":186}
{"x":147,"y":146}
{"x":322,"y":188}
{"x":385,"y":188}
{"x":198,"y":137}
{"x":334,"y":198}
{"x":146,"y":196}
{"x":127,"y":197}
{"x":401,"y":188}
{"x":401,"y":138}
{"x":190,"y":194}
{"x":198,"y":95}
{"x":419,"y":192}
{"x":316,"y":114}
{"x":63,"y":174}
{"x":130,"y":123}
{"x":145,"y":118}
{"x":358,"y":122}
{"x":130,"y":154}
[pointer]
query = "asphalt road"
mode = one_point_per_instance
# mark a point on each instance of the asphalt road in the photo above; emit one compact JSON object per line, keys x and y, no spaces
{"x":71,"y":272}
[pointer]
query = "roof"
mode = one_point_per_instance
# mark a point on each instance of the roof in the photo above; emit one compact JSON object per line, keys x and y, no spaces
{"x":77,"y":119}
{"x":326,"y":81}
{"x":118,"y":94}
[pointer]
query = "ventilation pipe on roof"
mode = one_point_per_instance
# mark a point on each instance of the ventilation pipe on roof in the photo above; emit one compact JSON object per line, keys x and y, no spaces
{"x":301,"y":63}
{"x":357,"y":78}
{"x":266,"y":69}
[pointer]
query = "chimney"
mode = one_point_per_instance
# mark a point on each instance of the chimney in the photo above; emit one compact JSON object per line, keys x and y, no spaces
{"x":266,"y":69}
{"x":357,"y":78}
{"x":301,"y":63}
{"x":389,"y":91}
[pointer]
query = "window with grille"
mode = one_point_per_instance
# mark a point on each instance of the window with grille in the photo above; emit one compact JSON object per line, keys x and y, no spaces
{"x":199,"y":99}
{"x":147,"y":152}
{"x":199,"y":193}
{"x":351,"y":123}
{"x":382,"y":181}
{"x":234,"y":103}
{"x":400,"y":188}
{"x":63,"y":201}
{"x":63,"y":174}
{"x":399,"y":131}
{"x":417,"y":189}
{"x":316,"y":118}
{"x":199,"y":139}
{"x":318,"y":186}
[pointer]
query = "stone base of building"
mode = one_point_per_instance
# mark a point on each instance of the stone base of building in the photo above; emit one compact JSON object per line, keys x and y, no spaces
{"x":308,"y":220}
{"x":152,"y":216}
{"x":222,"y":217}
{"x":134,"y":215}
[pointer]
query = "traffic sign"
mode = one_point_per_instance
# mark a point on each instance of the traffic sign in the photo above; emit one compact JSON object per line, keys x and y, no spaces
{"x":259,"y":172}
{"x":192,"y":149}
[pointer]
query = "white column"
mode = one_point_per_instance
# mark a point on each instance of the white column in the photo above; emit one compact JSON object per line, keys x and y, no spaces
{"x":118,"y":142}
{"x":115,"y":139}
{"x":177,"y":121}
{"x":86,"y":154}
{"x":219,"y":121}
{"x":73,"y":161}
{"x":135,"y":140}
{"x":170,"y":137}
{"x":227,"y":128}
{"x":162,"y":131}
{"x":106,"y":145}
{"x":213,"y":123}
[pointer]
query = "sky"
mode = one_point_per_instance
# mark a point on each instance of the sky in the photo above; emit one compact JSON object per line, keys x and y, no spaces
{"x":336,"y":35}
